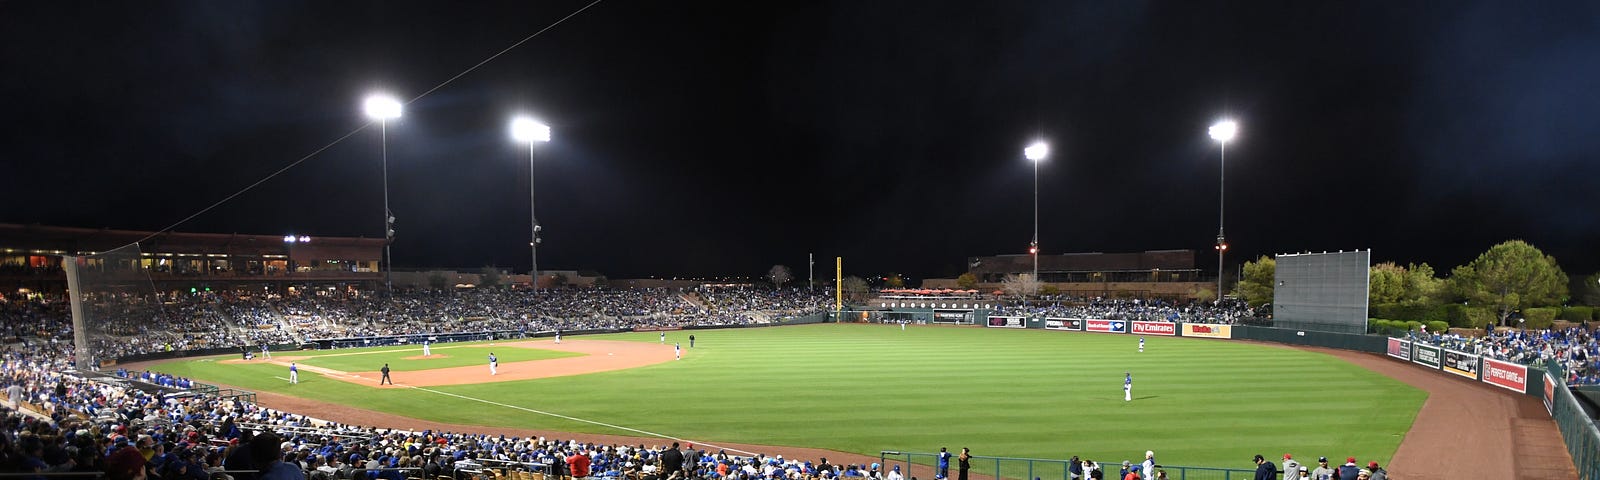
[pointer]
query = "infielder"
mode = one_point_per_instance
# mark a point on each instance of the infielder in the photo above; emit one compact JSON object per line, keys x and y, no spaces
{"x":494,"y":364}
{"x":426,"y":352}
{"x":677,"y":349}
{"x":294,"y":373}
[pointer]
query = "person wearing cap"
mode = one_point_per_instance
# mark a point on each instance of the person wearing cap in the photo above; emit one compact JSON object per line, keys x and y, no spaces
{"x":1291,"y":468}
{"x":1127,"y":386}
{"x":1149,"y":464}
{"x":894,"y":474}
{"x":1378,"y":473}
{"x":1349,"y":469}
{"x":1363,"y":474}
{"x":1265,"y":469}
{"x":944,"y":464}
{"x":1133,"y":473}
{"x":1323,"y":471}
{"x":125,"y":464}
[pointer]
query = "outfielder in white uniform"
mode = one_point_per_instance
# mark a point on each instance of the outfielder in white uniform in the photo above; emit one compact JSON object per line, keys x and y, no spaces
{"x":1127,"y":387}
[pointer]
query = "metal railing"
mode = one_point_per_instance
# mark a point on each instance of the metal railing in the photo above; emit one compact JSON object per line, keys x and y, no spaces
{"x":922,"y":466}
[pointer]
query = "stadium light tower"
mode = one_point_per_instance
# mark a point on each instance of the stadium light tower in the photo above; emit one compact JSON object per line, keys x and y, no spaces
{"x":1036,"y":153}
{"x":1222,"y":132}
{"x":383,"y":108}
{"x":530,"y":131}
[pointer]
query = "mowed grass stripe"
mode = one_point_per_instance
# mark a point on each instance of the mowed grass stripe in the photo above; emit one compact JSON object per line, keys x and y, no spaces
{"x":1020,"y":393}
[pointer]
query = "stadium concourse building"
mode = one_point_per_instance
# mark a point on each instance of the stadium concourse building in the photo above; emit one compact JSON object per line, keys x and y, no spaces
{"x":30,"y":261}
{"x":1169,"y":274}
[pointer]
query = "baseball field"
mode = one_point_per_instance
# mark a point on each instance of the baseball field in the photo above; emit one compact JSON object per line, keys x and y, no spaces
{"x":866,"y":388}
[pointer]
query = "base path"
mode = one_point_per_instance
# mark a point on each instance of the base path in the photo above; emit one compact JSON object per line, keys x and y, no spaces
{"x":1466,"y":428}
{"x":599,"y":356}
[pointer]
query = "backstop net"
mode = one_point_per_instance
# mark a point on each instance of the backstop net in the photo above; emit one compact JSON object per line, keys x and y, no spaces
{"x":1322,"y":291}
{"x":116,"y":310}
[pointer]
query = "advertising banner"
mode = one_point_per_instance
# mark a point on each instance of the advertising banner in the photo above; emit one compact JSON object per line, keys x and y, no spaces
{"x":1461,"y":363}
{"x":1400,"y":348}
{"x":1207,"y":330}
{"x":1549,"y":394}
{"x":1155,"y":328}
{"x":1106,"y":326}
{"x":1073,"y":324}
{"x":1007,"y":322}
{"x":1505,"y":375}
{"x":957,"y":316}
{"x":1424,"y":354}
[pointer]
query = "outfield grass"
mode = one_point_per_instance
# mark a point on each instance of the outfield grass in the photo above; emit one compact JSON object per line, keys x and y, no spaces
{"x":866,"y":388}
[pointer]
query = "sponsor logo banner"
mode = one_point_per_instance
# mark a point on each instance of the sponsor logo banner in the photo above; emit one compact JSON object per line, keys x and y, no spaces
{"x":1007,"y":322}
{"x":1506,"y":375}
{"x":1424,"y":354}
{"x":1155,"y":328}
{"x":655,"y":329}
{"x":1207,"y":330}
{"x":1106,"y":326}
{"x":1074,"y":324}
{"x":1461,"y":363}
{"x":953,"y":315}
{"x":1400,"y":348}
{"x":1549,"y":394}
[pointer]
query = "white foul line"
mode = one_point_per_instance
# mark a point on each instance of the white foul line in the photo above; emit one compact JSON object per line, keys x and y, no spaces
{"x":557,"y":415}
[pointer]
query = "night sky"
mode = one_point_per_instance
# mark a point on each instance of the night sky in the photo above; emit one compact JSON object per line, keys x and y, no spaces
{"x":721,"y":138}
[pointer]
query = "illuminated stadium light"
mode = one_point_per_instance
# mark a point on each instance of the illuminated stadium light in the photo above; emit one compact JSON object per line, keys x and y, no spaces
{"x":381,"y":107}
{"x":525,"y":129}
{"x":1037,"y":151}
{"x":1224,"y":131}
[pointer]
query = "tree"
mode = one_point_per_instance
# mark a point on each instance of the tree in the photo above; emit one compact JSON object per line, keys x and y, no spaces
{"x":1019,"y":285}
{"x":1589,"y":291}
{"x":1386,"y":283}
{"x":438,"y":281}
{"x":1204,"y":295}
{"x":1421,"y":286}
{"x":967,"y":281}
{"x":894,"y":281}
{"x":601,"y":282}
{"x":489,"y":277}
{"x":558,"y":280}
{"x":1259,"y":280}
{"x":855,"y":289}
{"x":1510,"y":277}
{"x":779,"y":275}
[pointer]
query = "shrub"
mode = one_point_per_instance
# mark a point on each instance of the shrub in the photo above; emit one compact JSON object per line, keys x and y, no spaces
{"x":1438,"y":327}
{"x":1478,"y":317}
{"x":1540,"y":317}
{"x":1577,"y":314}
{"x":1456,"y":314}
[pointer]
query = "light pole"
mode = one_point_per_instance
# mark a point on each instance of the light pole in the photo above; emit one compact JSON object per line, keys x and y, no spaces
{"x":1222,"y":132}
{"x":1036,"y":154}
{"x":383,"y":108}
{"x":529,"y":131}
